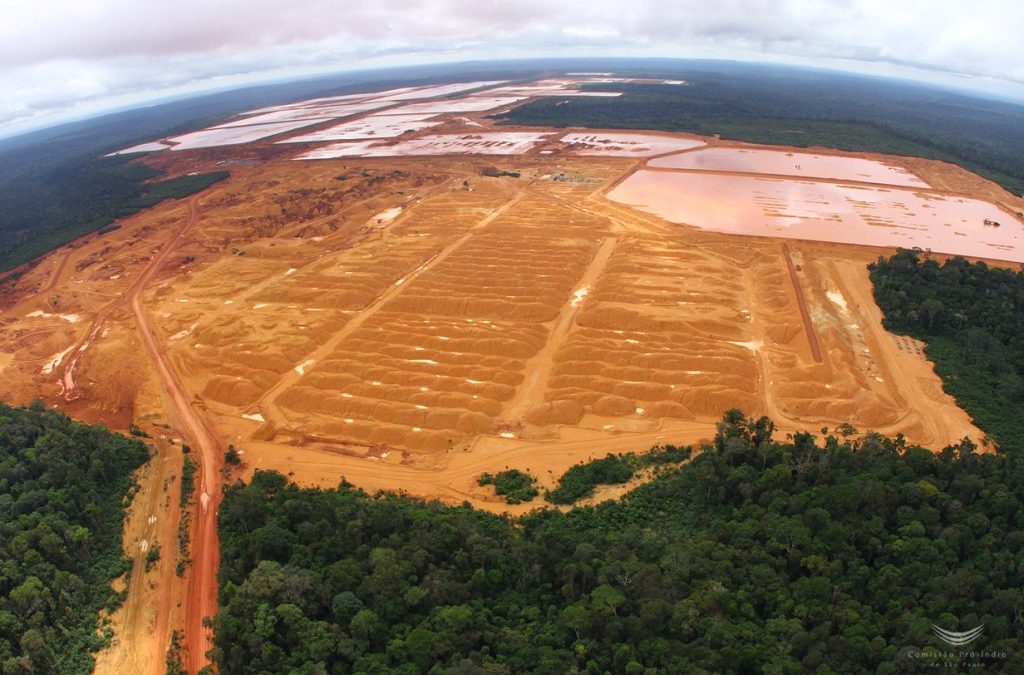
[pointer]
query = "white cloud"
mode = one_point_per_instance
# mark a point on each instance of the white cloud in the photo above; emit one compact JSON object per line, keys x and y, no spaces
{"x":57,"y":55}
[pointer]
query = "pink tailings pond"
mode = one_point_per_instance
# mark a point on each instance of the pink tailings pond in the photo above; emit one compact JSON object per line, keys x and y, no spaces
{"x":817,"y":211}
{"x":486,"y":143}
{"x":802,"y":164}
{"x":626,"y":145}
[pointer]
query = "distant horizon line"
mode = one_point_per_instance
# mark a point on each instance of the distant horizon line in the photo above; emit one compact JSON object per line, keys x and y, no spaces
{"x":966,"y":85}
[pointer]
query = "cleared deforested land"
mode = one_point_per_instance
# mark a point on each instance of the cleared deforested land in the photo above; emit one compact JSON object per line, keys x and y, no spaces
{"x":427,"y":297}
{"x":436,"y":364}
{"x":431,"y":297}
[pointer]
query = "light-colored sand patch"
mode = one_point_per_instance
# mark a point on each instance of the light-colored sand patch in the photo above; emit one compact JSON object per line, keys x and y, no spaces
{"x":301,"y":368}
{"x":752,"y":345}
{"x":55,"y":361}
{"x":388,"y":215}
{"x":40,"y":314}
{"x":578,"y":296}
{"x":183,"y":333}
{"x":255,"y":417}
{"x":837,"y":298}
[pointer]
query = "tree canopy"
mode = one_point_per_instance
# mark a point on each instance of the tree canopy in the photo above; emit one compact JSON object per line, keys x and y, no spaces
{"x":809,"y":555}
{"x":972,"y":318}
{"x":63,"y":491}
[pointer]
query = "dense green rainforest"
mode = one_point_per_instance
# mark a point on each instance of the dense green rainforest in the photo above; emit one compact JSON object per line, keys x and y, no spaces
{"x":64,"y":487}
{"x":832,"y":554}
{"x":53,"y":207}
{"x":972,"y":318}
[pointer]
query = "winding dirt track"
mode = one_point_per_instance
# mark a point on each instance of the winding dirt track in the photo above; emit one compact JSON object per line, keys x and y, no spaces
{"x":202,"y":593}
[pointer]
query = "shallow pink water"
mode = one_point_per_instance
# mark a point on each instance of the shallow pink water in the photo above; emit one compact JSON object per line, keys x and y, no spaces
{"x":468,"y":104}
{"x":376,"y":126}
{"x":208,"y":138}
{"x":330,"y":100}
{"x":155,"y":146}
{"x":326,"y":111}
{"x":442,"y":90}
{"x":508,"y":143}
{"x":790,"y":164}
{"x":795,"y":209}
{"x":627,"y":145}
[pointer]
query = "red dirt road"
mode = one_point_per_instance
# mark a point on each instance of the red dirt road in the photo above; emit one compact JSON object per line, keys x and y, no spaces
{"x":812,"y":337}
{"x":202,"y":593}
{"x":58,"y":273}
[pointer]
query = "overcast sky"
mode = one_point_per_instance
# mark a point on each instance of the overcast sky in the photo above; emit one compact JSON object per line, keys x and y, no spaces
{"x":63,"y":58}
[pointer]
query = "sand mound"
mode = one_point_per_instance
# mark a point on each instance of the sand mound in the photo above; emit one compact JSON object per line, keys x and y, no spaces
{"x":670,"y":409}
{"x":555,"y":412}
{"x":230,"y":390}
{"x":614,"y":406}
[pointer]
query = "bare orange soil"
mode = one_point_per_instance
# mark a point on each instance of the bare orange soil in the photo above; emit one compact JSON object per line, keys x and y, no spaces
{"x":407,"y":323}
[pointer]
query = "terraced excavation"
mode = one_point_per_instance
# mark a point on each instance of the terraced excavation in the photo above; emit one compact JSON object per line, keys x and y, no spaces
{"x":407,"y":313}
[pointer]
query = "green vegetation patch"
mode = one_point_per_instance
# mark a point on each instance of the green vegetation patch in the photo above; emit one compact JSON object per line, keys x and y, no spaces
{"x":972,"y":318}
{"x":810,"y":555}
{"x":177,"y":188}
{"x":64,"y":487}
{"x":43,"y":211}
{"x":188,"y":488}
{"x":581,"y":480}
{"x":514,"y":485}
